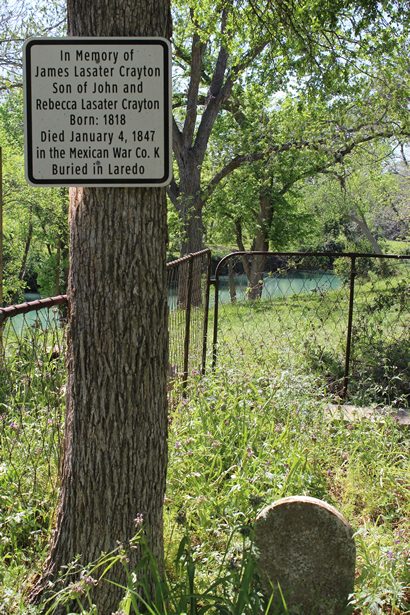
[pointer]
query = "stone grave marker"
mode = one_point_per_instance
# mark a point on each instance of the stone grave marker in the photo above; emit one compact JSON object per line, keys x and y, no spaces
{"x":306,"y":546}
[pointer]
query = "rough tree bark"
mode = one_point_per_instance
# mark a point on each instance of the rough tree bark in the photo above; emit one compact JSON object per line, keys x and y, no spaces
{"x":115,"y":452}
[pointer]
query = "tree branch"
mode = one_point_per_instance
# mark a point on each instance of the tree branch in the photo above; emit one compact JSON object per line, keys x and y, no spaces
{"x":215,"y":97}
{"x":240,"y":160}
{"x":319,"y":145}
{"x":177,"y":142}
{"x":197,"y":54}
{"x":173,"y":192}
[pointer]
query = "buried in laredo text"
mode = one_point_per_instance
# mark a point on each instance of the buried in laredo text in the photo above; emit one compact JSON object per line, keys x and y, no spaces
{"x":97,"y":169}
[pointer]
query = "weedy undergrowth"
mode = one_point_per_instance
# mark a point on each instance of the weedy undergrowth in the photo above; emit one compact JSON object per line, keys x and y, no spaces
{"x":240,"y":439}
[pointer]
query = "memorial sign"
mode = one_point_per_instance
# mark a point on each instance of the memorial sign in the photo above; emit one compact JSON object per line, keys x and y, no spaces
{"x":98,"y":111}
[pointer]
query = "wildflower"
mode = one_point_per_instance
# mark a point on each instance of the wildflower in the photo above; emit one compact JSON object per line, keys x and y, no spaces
{"x":249,"y":452}
{"x":13,"y":425}
{"x":88,"y":580}
{"x":178,"y":444}
{"x":139,"y":520}
{"x":77,"y":589}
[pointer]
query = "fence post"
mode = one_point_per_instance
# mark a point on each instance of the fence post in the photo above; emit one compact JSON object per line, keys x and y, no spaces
{"x":187,"y":322}
{"x":1,"y":248}
{"x":216,"y":309}
{"x":206,"y":313}
{"x":349,"y":327}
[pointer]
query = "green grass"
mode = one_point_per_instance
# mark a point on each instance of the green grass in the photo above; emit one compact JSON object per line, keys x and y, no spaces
{"x":250,"y":433}
{"x":391,"y":246}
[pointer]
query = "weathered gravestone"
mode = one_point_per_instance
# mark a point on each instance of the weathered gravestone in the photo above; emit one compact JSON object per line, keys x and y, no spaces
{"x":305,"y":546}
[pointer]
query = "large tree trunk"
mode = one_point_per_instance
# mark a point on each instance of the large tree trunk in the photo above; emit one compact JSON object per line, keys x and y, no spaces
{"x":115,"y":442}
{"x":190,"y":206}
{"x":115,"y":454}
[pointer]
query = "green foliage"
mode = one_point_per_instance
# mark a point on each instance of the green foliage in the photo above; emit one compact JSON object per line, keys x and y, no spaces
{"x":289,"y":91}
{"x":380,"y":353}
{"x":20,"y":20}
{"x":235,"y":591}
{"x":367,"y":187}
{"x":35,"y":219}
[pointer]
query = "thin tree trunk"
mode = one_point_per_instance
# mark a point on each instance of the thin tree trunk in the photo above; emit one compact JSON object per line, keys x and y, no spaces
{"x":364,"y":229}
{"x":193,"y":240}
{"x":231,"y":281}
{"x":115,"y":454}
{"x":27,"y":245}
{"x":190,"y":208}
{"x":260,"y":244}
{"x":57,"y":270}
{"x":254,"y":265}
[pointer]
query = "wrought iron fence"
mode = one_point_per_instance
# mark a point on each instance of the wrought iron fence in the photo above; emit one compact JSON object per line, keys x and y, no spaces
{"x":35,"y":329}
{"x":33,"y":382}
{"x":32,"y":405}
{"x":188,"y":299}
{"x":343,"y":317}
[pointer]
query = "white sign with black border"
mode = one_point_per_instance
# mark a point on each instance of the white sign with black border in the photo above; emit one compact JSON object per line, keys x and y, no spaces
{"x":98,"y":111}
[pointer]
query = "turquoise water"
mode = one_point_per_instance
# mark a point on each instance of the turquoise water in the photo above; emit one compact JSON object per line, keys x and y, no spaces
{"x":282,"y":286}
{"x":273,"y":287}
{"x":40,"y":318}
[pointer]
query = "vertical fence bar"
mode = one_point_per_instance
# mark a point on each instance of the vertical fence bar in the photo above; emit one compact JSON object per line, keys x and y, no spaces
{"x":188,"y":321}
{"x":1,"y":247}
{"x":206,"y":312}
{"x":349,"y":327}
{"x":216,"y":310}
